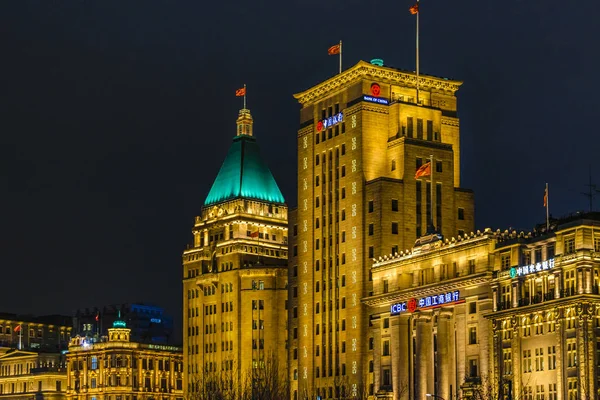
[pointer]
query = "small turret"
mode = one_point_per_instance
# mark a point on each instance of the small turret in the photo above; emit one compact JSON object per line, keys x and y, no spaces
{"x":244,"y":123}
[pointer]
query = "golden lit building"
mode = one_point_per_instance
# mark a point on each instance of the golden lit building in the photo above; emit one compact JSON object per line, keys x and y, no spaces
{"x":116,"y":368}
{"x":546,"y":319}
{"x":235,"y":272}
{"x":28,"y":375}
{"x":428,"y":308}
{"x":50,"y":333}
{"x":362,"y":137}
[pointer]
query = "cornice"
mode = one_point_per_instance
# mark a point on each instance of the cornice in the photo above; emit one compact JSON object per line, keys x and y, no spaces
{"x":450,"y":121}
{"x":438,"y":287}
{"x":364,"y":69}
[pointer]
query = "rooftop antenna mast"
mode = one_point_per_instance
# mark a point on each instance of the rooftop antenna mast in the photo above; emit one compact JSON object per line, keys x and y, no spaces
{"x":592,"y":191}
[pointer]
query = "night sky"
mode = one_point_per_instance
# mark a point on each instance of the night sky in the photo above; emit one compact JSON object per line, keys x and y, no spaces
{"x":115,"y":117}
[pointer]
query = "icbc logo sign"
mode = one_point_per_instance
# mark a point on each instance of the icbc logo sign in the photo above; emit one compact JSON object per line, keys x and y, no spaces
{"x":375,"y":89}
{"x":412,"y":305}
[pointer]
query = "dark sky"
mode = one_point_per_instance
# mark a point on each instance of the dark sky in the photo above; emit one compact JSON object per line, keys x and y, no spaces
{"x":115,"y":117}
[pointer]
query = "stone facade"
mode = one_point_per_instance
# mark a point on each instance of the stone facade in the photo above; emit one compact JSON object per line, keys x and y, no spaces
{"x":27,"y":375}
{"x":235,"y":278}
{"x":546,"y":316}
{"x":427,"y":310}
{"x":362,"y":136}
{"x":116,"y":368}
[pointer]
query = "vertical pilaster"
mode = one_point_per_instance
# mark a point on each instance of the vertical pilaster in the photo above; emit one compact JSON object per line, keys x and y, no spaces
{"x":376,"y":358}
{"x":560,"y":356}
{"x":396,"y":356}
{"x":461,"y":346}
{"x":516,"y":358}
{"x":444,"y":366}
{"x":405,"y":359}
{"x":424,"y":352}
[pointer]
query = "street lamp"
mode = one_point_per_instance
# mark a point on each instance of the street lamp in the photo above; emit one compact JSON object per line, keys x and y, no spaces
{"x":434,"y":395}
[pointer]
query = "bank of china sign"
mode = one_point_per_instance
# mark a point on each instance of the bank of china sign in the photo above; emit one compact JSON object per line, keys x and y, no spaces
{"x":532,"y":269}
{"x":413,"y":305}
{"x":329,"y":122}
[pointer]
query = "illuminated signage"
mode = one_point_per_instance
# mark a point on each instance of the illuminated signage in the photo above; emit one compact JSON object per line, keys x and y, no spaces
{"x":532,"y":269}
{"x":329,"y":122}
{"x":163,"y":347}
{"x":378,"y":100}
{"x":155,"y":320}
{"x":413,"y":305}
{"x":375,"y":89}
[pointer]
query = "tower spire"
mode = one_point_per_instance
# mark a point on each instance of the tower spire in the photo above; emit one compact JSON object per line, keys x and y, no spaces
{"x":244,"y":122}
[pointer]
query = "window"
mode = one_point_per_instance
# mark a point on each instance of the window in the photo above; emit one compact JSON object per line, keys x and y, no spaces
{"x":552,"y":391}
{"x":317,"y":180}
{"x":371,"y":206}
{"x":551,"y":357}
{"x":539,"y":392}
{"x":394,"y":228}
{"x":386,"y":321}
{"x":94,"y":362}
{"x":371,"y":252}
{"x":461,"y":214}
{"x":526,"y":360}
{"x":507,"y":361}
{"x":571,"y":353}
{"x":438,"y":166}
{"x":370,"y":229}
{"x":472,"y":307}
{"x":472,"y":335}
{"x":539,"y":359}
{"x":473,"y":367}
{"x":343,"y":149}
{"x":394,"y":205}
{"x":505,"y":260}
{"x":393,"y":165}
{"x":386,"y":287}
{"x":572,"y":388}
{"x":343,"y":171}
{"x":386,"y":348}
{"x":93,"y":383}
{"x":569,"y":245}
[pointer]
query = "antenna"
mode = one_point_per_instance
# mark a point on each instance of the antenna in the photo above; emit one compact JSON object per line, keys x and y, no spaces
{"x":592,"y":191}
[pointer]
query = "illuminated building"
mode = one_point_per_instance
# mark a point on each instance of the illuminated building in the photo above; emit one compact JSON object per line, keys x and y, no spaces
{"x":148,"y":323}
{"x":362,"y":137}
{"x":428,"y":321}
{"x":49,"y":333}
{"x":235,"y":272}
{"x":546,"y":317}
{"x":116,"y":368}
{"x":27,"y":375}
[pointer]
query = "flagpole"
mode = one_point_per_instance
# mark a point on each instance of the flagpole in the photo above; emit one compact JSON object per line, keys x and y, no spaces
{"x":431,"y":169}
{"x":417,"y":42}
{"x":20,"y":336}
{"x":340,"y":56}
{"x":547,"y":209}
{"x":244,"y":96}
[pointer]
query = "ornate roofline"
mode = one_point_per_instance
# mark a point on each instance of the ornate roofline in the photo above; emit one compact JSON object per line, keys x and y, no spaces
{"x":363,"y":69}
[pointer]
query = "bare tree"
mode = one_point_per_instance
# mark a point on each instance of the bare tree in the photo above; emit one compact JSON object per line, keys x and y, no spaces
{"x":268,"y":381}
{"x":215,"y":385}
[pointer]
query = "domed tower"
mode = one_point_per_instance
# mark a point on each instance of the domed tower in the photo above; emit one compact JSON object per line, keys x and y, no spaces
{"x":235,"y":271}
{"x":119,"y":331}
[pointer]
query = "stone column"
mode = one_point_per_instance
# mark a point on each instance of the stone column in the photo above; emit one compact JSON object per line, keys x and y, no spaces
{"x":560,"y":381}
{"x":424,"y":353}
{"x":404,"y":359}
{"x":515,"y":295}
{"x":376,"y":358}
{"x":396,"y":356}
{"x":444,"y":366}
{"x":557,"y":284}
{"x":461,"y":346}
{"x":516,"y":358}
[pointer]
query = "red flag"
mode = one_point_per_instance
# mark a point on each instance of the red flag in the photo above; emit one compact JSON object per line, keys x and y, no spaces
{"x":424,"y":170}
{"x":240,"y":92}
{"x":333,"y":50}
{"x":414,"y":9}
{"x":97,"y":317}
{"x":254,"y":234}
{"x":546,"y":197}
{"x":18,"y":328}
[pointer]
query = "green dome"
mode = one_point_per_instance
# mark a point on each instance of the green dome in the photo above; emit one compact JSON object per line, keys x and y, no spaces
{"x":244,"y":174}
